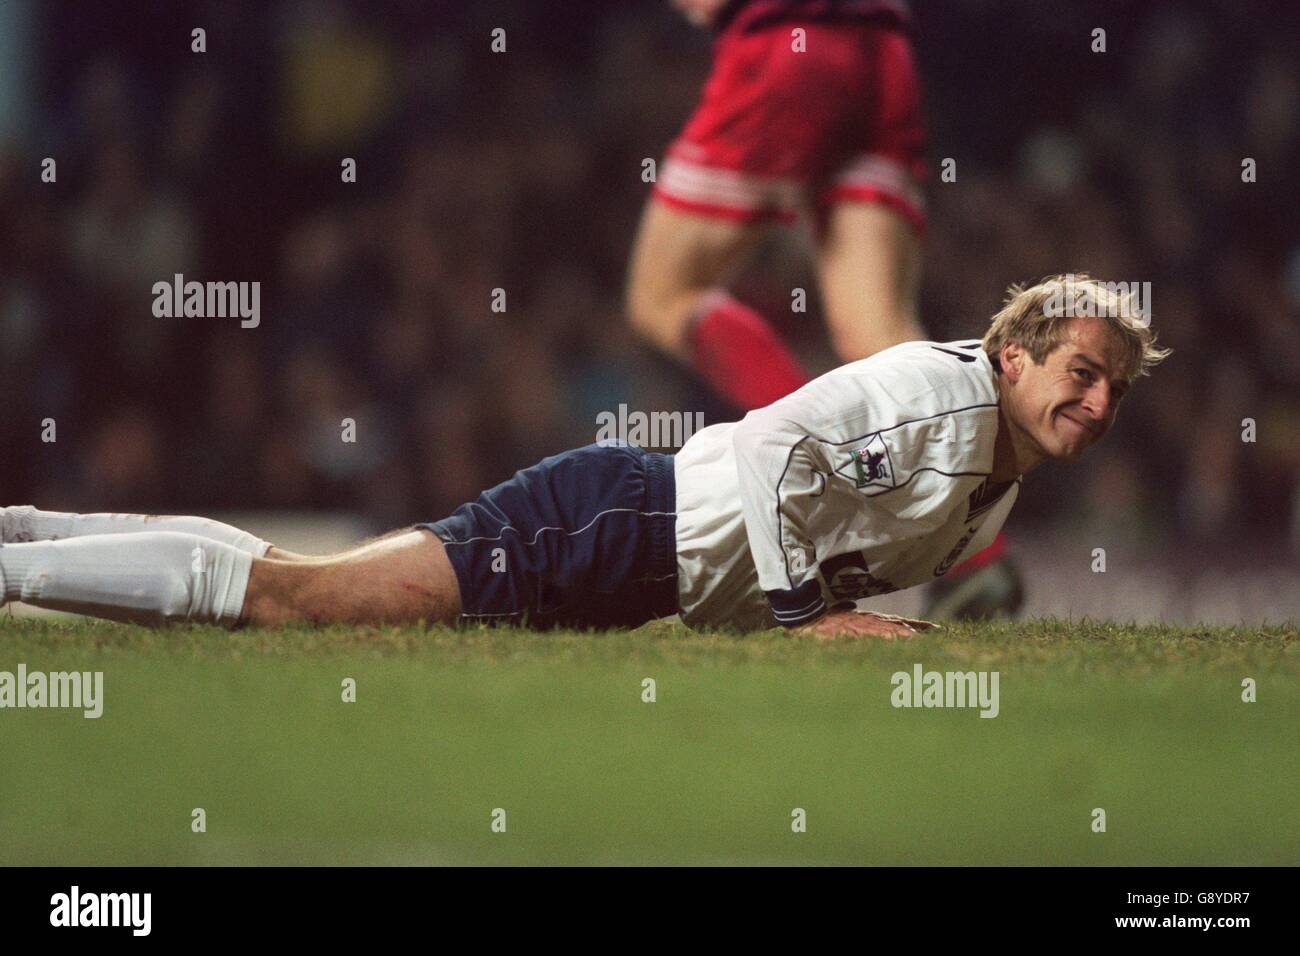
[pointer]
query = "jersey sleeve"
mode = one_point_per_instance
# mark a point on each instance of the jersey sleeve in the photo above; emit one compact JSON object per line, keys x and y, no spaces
{"x":781,"y":458}
{"x":787,"y":452}
{"x":776,"y":463}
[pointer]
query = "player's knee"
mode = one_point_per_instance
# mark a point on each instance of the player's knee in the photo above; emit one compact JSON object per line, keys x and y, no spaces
{"x":874,"y":331}
{"x":658,"y":317}
{"x":644,"y":310}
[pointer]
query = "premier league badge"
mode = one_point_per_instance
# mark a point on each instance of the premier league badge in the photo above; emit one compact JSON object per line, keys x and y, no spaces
{"x":871,"y":465}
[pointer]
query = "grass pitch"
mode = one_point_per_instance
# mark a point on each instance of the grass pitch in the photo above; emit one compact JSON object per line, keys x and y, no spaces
{"x":1147,"y":723}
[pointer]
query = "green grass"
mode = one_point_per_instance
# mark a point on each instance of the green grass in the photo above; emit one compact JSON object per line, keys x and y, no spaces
{"x":1145,"y":722}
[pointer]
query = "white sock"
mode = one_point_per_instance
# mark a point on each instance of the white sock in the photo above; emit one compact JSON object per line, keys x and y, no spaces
{"x":24,"y":523}
{"x":144,"y":578}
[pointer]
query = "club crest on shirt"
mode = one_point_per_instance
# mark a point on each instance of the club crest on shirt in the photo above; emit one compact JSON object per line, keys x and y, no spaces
{"x":869,"y":465}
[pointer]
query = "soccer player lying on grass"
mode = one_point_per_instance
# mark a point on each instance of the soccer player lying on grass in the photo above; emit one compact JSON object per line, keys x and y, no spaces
{"x":878,"y":476}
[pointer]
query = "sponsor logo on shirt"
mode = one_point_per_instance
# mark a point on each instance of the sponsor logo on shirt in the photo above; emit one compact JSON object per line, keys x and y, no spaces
{"x":946,"y":564}
{"x":848,"y":579}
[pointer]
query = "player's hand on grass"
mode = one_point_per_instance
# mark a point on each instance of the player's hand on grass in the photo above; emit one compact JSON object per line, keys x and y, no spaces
{"x":851,"y":623}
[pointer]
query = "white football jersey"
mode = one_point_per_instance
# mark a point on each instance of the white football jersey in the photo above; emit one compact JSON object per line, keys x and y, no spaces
{"x":869,"y":479}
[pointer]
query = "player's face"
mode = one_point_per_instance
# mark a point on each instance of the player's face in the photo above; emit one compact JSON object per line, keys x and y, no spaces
{"x":1069,"y":402}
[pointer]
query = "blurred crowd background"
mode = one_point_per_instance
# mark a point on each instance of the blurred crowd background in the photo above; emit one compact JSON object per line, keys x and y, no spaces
{"x":522,"y":171}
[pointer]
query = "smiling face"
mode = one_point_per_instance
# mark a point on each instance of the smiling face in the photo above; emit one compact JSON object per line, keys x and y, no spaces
{"x":1066,"y":404}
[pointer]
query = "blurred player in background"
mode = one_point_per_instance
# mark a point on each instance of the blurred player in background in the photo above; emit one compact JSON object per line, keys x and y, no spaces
{"x":812,"y":107}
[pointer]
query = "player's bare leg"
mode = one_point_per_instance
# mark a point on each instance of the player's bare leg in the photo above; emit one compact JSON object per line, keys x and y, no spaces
{"x":676,"y":299}
{"x":400,"y":579}
{"x":678,"y":258}
{"x":869,"y":268}
{"x":158,"y":577}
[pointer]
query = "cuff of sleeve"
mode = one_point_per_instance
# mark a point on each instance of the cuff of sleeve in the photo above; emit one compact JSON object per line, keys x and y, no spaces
{"x":799,"y":605}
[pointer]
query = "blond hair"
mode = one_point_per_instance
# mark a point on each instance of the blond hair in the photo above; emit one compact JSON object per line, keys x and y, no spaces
{"x":1035,"y":317}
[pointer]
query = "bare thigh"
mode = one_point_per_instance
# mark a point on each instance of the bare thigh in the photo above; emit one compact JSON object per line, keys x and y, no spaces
{"x":280,"y":554}
{"x":400,"y":579}
{"x":869,"y":267}
{"x":677,"y":258}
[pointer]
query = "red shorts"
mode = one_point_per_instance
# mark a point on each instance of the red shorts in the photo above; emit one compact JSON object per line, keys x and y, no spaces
{"x":779,"y":131}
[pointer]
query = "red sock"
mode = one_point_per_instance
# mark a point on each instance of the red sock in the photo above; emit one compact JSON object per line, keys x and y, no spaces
{"x":992,"y":553}
{"x":739,"y":354}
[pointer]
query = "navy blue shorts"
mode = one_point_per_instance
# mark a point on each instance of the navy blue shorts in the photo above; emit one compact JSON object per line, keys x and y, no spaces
{"x":582,"y":539}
